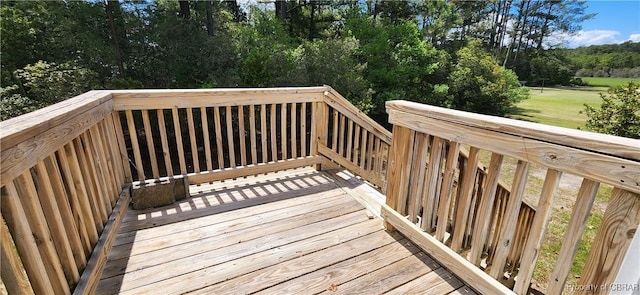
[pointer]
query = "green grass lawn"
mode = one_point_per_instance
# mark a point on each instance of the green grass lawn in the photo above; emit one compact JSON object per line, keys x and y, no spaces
{"x":559,"y":106}
{"x":608,"y":81}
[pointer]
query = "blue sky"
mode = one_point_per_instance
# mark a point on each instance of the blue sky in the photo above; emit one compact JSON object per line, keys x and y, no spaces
{"x":616,"y":22}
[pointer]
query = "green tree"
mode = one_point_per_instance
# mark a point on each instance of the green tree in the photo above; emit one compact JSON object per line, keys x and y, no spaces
{"x":478,"y":84}
{"x":619,"y":113}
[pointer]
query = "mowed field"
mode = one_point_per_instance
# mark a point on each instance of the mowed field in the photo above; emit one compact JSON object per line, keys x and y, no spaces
{"x":561,"y":106}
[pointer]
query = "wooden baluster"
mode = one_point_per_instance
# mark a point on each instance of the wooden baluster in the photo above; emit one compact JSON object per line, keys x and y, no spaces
{"x":356,"y":146}
{"x":64,"y":205}
{"x":273,"y":138}
{"x":92,"y":182}
{"x":88,"y":195}
{"x":283,"y":130}
{"x":22,"y":232}
{"x":399,"y":168}
{"x":370,"y":153}
{"x":218,"y":127}
{"x":571,"y":240}
{"x":53,"y":220}
{"x":178,"y":133}
{"x":252,"y":134}
{"x":466,"y":195}
{"x":122,"y":146}
{"x":192,"y":141}
{"x":230,"y":139}
{"x":619,"y":225}
{"x":341,"y":134}
{"x":97,"y":149}
{"x":78,"y":197}
{"x":115,"y":161}
{"x":166,"y":154}
{"x":263,"y":133}
{"x":486,"y":204}
{"x":294,"y":132}
{"x":33,"y":210}
{"x":242,"y":133}
{"x":106,"y":150}
{"x":510,"y":220}
{"x":378,"y":157}
{"x":321,"y":114}
{"x":418,"y":175}
{"x":431,"y":183}
{"x":363,"y":149}
{"x":133,"y":136}
{"x":14,"y":275}
{"x":446,"y":189}
{"x":303,"y":129}
{"x":148,"y":134}
{"x":350,"y":140}
{"x":538,"y":228}
{"x":334,"y":134}
{"x":206,"y":138}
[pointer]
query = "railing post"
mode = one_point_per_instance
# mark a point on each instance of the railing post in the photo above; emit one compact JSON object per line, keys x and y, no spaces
{"x":398,"y":174}
{"x":619,"y":225}
{"x":319,"y":121}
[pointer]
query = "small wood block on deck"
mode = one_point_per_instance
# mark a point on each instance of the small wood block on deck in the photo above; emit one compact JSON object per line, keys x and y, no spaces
{"x":295,"y":231}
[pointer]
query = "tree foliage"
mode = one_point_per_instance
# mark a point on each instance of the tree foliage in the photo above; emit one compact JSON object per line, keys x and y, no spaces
{"x":370,"y":51}
{"x":619,"y":113}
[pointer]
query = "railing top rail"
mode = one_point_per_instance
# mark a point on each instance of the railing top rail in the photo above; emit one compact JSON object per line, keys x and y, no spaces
{"x":604,"y":158}
{"x":589,"y":141}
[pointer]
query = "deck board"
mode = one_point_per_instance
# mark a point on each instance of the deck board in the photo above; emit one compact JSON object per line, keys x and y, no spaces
{"x":296,"y":231}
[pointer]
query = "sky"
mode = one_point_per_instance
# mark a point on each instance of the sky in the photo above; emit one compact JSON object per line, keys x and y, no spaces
{"x":616,"y":22}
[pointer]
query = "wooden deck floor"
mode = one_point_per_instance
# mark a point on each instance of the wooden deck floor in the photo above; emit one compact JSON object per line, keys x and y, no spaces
{"x":297,"y":231}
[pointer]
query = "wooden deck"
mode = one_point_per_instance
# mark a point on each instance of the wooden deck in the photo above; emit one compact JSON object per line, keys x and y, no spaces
{"x":297,"y":231}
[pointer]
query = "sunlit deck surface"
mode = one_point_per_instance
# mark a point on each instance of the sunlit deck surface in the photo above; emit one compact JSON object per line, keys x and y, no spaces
{"x":297,"y":231}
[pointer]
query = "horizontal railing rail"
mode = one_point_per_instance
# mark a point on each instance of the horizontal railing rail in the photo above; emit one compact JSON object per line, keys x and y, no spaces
{"x":503,"y":237}
{"x":62,"y":175}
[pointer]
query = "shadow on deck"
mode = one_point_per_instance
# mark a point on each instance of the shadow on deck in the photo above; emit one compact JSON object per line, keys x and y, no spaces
{"x":296,"y":231}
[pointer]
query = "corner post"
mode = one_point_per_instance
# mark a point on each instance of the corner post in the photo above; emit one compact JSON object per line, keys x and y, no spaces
{"x":619,"y":225}
{"x":398,"y":173}
{"x":319,"y":121}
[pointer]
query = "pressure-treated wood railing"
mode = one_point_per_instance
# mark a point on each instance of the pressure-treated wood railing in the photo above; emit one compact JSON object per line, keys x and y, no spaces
{"x":67,"y":171}
{"x":478,"y":234}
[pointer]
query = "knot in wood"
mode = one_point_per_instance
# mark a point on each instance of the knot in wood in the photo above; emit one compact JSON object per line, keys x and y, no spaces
{"x":631,"y":233}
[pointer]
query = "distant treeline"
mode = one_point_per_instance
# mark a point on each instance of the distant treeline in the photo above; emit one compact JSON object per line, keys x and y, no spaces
{"x":615,"y":60}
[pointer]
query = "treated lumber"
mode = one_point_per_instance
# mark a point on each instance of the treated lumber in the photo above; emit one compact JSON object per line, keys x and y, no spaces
{"x":247,"y":256}
{"x":21,"y":231}
{"x":466,"y":196}
{"x":330,"y":154}
{"x":387,"y":278}
{"x":432,"y":184}
{"x":418,"y":176}
{"x":218,"y":130}
{"x":241,"y":171}
{"x":614,"y":169}
{"x":263,"y":134}
{"x":281,"y":272}
{"x":252,"y":134}
{"x":148,"y":135}
{"x":38,"y":123}
{"x":242,"y":133}
{"x":91,"y":275}
{"x":439,"y":281}
{"x":582,"y":140}
{"x":178,"y":137}
{"x":619,"y":225}
{"x":360,"y":191}
{"x":398,"y":175}
{"x":19,"y":155}
{"x":347,"y":270}
{"x":342,"y":105}
{"x":294,"y":132}
{"x":446,"y":190}
{"x":14,"y":276}
{"x":459,"y":266}
{"x":123,"y":146}
{"x":192,"y":141}
{"x":206,"y":138}
{"x":211,"y":238}
{"x":538,"y":227}
{"x":303,"y":130}
{"x":571,"y":240}
{"x":189,"y":98}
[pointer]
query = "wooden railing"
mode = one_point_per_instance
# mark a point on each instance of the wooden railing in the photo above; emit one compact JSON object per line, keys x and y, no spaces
{"x":479,"y":233}
{"x":67,"y":172}
{"x":61,"y":177}
{"x":67,"y":169}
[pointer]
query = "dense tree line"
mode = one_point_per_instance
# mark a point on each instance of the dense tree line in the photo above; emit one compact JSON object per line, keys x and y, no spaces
{"x":467,"y":55}
{"x":614,"y":60}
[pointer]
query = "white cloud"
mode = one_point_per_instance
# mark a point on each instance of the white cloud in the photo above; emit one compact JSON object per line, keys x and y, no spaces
{"x":592,"y":37}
